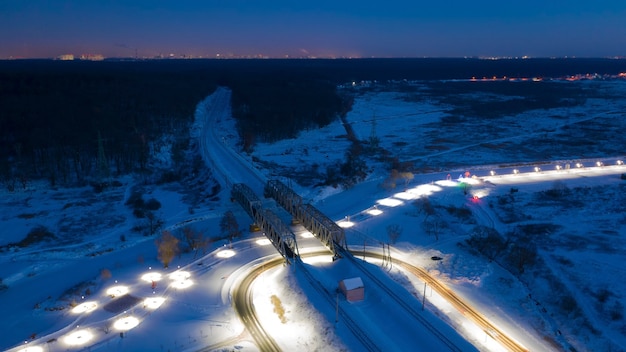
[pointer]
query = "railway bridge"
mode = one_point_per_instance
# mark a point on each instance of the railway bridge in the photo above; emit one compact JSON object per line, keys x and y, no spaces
{"x":326,"y":230}
{"x":274,"y":229}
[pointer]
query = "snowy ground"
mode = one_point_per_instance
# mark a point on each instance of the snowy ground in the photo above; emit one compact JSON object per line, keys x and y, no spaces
{"x":583,"y":253}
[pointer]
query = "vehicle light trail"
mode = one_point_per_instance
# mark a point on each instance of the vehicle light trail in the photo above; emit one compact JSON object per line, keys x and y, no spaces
{"x":243,"y":305}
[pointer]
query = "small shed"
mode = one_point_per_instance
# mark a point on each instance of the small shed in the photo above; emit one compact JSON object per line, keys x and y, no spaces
{"x":353,"y":289}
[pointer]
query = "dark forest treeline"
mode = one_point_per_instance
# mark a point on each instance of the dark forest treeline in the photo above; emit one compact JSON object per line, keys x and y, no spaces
{"x":75,"y":121}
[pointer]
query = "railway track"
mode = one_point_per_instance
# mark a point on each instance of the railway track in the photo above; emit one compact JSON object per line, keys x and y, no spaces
{"x":479,"y":319}
{"x":242,"y":302}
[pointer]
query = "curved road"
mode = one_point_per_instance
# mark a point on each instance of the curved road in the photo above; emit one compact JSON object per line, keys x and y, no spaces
{"x":242,"y":302}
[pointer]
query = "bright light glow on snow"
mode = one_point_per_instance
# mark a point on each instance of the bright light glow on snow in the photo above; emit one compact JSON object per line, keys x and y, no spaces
{"x":325,"y":259}
{"x":31,"y":349}
{"x":345,"y":224}
{"x":182,"y":284}
{"x":263,"y":242}
{"x":470,"y":180}
{"x":424,"y":190}
{"x":482,"y":337}
{"x":446,"y":183}
{"x":126,"y":323}
{"x":117,"y":291}
{"x":374,"y":211}
{"x":405,"y":195}
{"x":181,"y":278}
{"x":85,"y":307}
{"x":390,"y":202}
{"x":226,"y":253}
{"x":78,"y":338}
{"x":153,"y":302}
{"x":480,"y":193}
{"x":153,"y":276}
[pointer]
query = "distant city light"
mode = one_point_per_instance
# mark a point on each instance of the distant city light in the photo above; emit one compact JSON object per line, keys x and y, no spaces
{"x":537,"y":169}
{"x":515,"y":171}
{"x":558,"y":167}
{"x":492,"y":172}
{"x":599,"y":164}
{"x":619,"y":162}
{"x":579,"y":165}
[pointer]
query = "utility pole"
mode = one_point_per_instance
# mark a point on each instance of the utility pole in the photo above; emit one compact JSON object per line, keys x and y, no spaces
{"x":424,"y":296}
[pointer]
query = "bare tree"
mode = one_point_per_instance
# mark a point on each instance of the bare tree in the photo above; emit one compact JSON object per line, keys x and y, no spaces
{"x":229,"y":226}
{"x":195,"y":240}
{"x":394,"y":231}
{"x":153,"y":223}
{"x":167,"y":247}
{"x":407,"y":177}
{"x":434,"y":227}
{"x":424,"y":206}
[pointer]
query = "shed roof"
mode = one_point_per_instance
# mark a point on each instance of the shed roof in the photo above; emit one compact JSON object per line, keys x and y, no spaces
{"x":353,"y":283}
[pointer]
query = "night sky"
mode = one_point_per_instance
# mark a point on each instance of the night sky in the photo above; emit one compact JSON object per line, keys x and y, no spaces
{"x":313,"y":28}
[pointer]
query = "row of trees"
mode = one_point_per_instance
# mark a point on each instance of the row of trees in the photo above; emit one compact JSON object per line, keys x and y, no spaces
{"x":188,"y":240}
{"x":514,"y":250}
{"x":75,"y":121}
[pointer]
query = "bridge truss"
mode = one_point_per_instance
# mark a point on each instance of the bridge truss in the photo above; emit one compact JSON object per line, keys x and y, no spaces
{"x":326,"y":230}
{"x":273,"y":228}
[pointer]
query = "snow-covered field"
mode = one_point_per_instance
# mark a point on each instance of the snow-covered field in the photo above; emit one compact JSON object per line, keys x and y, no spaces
{"x":570,"y":299}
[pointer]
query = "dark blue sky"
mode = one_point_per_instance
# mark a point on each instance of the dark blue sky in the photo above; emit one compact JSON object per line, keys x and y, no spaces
{"x":322,"y":28}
